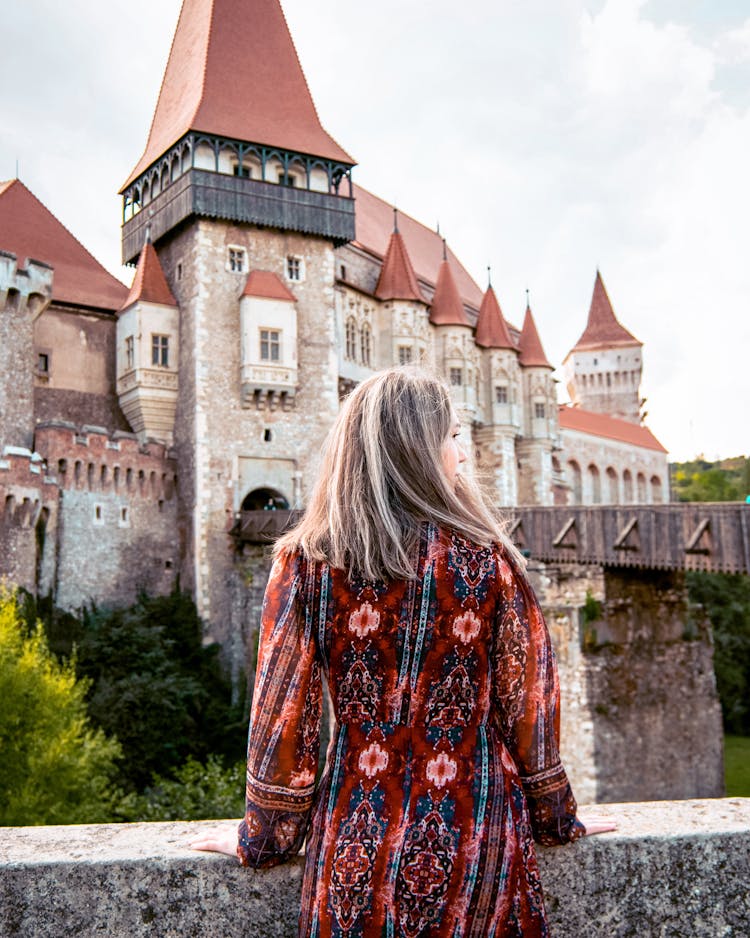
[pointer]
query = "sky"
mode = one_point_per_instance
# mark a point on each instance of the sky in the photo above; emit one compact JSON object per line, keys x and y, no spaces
{"x":546,"y":138}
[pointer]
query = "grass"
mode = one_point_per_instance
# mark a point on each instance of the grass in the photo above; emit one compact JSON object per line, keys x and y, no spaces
{"x":737,"y":766}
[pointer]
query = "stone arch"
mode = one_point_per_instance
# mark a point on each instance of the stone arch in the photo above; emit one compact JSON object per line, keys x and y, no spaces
{"x":613,"y":486}
{"x":657,"y":493}
{"x":594,"y":484}
{"x":627,"y":487}
{"x":576,"y":482}
{"x":641,"y":486}
{"x":265,"y":497}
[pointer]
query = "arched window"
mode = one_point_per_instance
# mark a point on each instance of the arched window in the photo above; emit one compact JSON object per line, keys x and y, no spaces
{"x":366,"y":344}
{"x":265,"y":498}
{"x":576,"y":482}
{"x":613,"y":487}
{"x":351,"y":339}
{"x":595,"y":485}
{"x":657,"y":494}
{"x":627,"y":487}
{"x":642,"y":494}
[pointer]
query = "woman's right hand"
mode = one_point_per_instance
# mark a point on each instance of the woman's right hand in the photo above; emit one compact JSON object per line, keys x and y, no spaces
{"x":597,"y":824}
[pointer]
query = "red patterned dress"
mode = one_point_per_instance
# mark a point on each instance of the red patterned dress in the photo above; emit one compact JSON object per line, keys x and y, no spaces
{"x":444,"y":765}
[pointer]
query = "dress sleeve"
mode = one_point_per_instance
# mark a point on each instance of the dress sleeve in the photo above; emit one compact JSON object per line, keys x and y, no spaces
{"x":527,"y":696}
{"x":284,"y":737}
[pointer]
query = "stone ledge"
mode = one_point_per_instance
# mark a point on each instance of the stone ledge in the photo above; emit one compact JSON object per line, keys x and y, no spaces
{"x":672,"y":869}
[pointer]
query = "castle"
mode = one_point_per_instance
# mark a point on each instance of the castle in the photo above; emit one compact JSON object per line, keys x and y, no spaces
{"x":136,"y":424}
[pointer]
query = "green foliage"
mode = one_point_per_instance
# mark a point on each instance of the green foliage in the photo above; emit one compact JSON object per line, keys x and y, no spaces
{"x":195,"y":791}
{"x":591,"y":611}
{"x":54,"y":767}
{"x":737,"y":766}
{"x":727,"y":480}
{"x":725,"y":597}
{"x":153,"y":684}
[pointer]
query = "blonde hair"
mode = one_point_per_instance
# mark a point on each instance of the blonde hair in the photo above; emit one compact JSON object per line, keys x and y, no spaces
{"x":382,"y":477}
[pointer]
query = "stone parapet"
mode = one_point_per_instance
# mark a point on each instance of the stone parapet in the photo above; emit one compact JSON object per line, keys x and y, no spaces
{"x":672,"y":869}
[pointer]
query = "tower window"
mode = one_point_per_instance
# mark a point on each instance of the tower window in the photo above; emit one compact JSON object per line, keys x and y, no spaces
{"x":236,"y":260}
{"x":160,"y":351}
{"x":501,"y":394}
{"x":270,"y":345}
{"x":293,"y":268}
{"x":42,"y":363}
{"x":456,"y":377}
{"x":267,"y":435}
{"x":404,"y":354}
{"x":351,"y":339}
{"x":366,"y":344}
{"x":130,"y":352}
{"x":539,"y":410}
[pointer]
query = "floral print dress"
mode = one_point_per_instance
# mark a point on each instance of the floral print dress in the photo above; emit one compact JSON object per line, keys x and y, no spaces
{"x":444,"y":765}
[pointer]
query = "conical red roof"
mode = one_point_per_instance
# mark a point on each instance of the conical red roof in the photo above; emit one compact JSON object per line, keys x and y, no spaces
{"x":447,"y":308}
{"x":29,"y":230}
{"x":149,"y":284}
{"x":397,"y":279}
{"x":492,"y":330}
{"x":603,"y":329}
{"x":233,"y":72}
{"x":530,"y":345}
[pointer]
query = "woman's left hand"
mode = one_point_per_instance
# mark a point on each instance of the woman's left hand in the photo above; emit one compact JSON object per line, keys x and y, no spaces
{"x":217,"y":840}
{"x":597,"y":824}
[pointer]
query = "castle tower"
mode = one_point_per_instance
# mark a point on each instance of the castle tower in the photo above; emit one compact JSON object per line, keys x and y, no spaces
{"x":456,"y":355}
{"x":246,"y":196}
{"x":148,"y":332}
{"x":603,"y":369}
{"x":404,"y":323}
{"x":534,"y":449}
{"x":500,"y":399}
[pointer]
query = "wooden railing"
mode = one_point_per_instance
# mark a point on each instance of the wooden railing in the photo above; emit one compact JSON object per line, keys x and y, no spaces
{"x":684,"y":536}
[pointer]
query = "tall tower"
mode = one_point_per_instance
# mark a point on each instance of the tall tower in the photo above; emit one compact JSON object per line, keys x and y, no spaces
{"x":245,"y":197}
{"x":603,"y":369}
{"x":540,"y":426}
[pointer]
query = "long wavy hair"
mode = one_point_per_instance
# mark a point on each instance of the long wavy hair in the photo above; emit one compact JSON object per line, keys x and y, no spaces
{"x":382,"y":477}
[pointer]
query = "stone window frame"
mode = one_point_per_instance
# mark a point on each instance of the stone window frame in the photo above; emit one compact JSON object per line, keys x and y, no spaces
{"x":159,"y":350}
{"x":97,"y":515}
{"x":365,"y":344}
{"x":236,"y":259}
{"x":44,"y":363}
{"x":502,"y":394}
{"x":405,"y":354}
{"x":129,"y":352}
{"x":540,"y":410}
{"x":456,"y":377}
{"x":350,"y":335}
{"x":294,"y":268}
{"x":270,"y":332}
{"x":123,"y":518}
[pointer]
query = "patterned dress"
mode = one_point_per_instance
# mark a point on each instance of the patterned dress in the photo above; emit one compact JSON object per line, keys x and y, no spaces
{"x":444,"y":765}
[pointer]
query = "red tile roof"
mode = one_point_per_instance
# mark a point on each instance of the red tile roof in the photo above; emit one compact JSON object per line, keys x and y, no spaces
{"x":29,"y":230}
{"x":149,"y":284}
{"x":265,"y":283}
{"x":397,"y":279}
{"x":233,"y":71}
{"x":374,"y":225}
{"x":603,"y":329}
{"x":447,"y":309}
{"x":492,"y":330}
{"x":530,"y":345}
{"x":586,"y":421}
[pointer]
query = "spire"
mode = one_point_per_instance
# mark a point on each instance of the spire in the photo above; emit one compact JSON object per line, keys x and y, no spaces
{"x":233,"y":72}
{"x":530,"y":345}
{"x":397,"y":279}
{"x":149,"y":284}
{"x":447,"y":308}
{"x":603,"y":329}
{"x":492,"y":330}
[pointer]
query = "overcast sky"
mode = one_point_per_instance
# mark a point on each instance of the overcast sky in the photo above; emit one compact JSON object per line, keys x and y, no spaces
{"x":547,"y":138}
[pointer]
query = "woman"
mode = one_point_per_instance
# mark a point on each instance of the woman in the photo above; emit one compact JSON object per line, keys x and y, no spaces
{"x":399,"y":586}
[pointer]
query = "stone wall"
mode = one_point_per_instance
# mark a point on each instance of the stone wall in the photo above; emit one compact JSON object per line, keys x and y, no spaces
{"x":673,"y":869}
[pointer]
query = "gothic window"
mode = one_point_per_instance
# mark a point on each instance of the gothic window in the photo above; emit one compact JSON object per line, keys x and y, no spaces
{"x":613,"y":486}
{"x":365,"y":344}
{"x":130,"y":352}
{"x":351,"y":339}
{"x":501,"y":394}
{"x":641,"y":482}
{"x":404,"y":354}
{"x":656,"y":491}
{"x":576,"y":482}
{"x":236,"y":260}
{"x":293,"y":268}
{"x":270,"y":345}
{"x":539,"y":410}
{"x":627,"y":487}
{"x":160,"y":350}
{"x":456,"y":377}
{"x":595,"y":484}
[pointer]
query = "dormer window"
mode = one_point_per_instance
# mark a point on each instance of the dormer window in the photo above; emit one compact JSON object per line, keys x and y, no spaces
{"x":236,"y":260}
{"x":160,"y":351}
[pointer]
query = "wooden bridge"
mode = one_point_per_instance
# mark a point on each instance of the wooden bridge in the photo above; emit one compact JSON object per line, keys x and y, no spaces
{"x":682,"y":536}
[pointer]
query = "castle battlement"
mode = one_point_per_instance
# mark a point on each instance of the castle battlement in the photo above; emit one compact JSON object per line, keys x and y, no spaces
{"x":90,"y":458}
{"x":25,"y":488}
{"x":29,"y":286}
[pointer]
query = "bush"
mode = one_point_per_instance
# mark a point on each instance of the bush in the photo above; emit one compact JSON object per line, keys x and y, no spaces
{"x":54,"y":767}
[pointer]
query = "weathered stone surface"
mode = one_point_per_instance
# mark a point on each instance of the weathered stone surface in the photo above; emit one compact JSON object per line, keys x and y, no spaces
{"x":673,"y":869}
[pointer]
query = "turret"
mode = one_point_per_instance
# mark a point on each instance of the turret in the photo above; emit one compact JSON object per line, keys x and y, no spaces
{"x":603,"y":369}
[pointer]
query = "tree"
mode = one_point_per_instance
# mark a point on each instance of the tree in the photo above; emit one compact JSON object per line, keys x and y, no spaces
{"x":54,"y":767}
